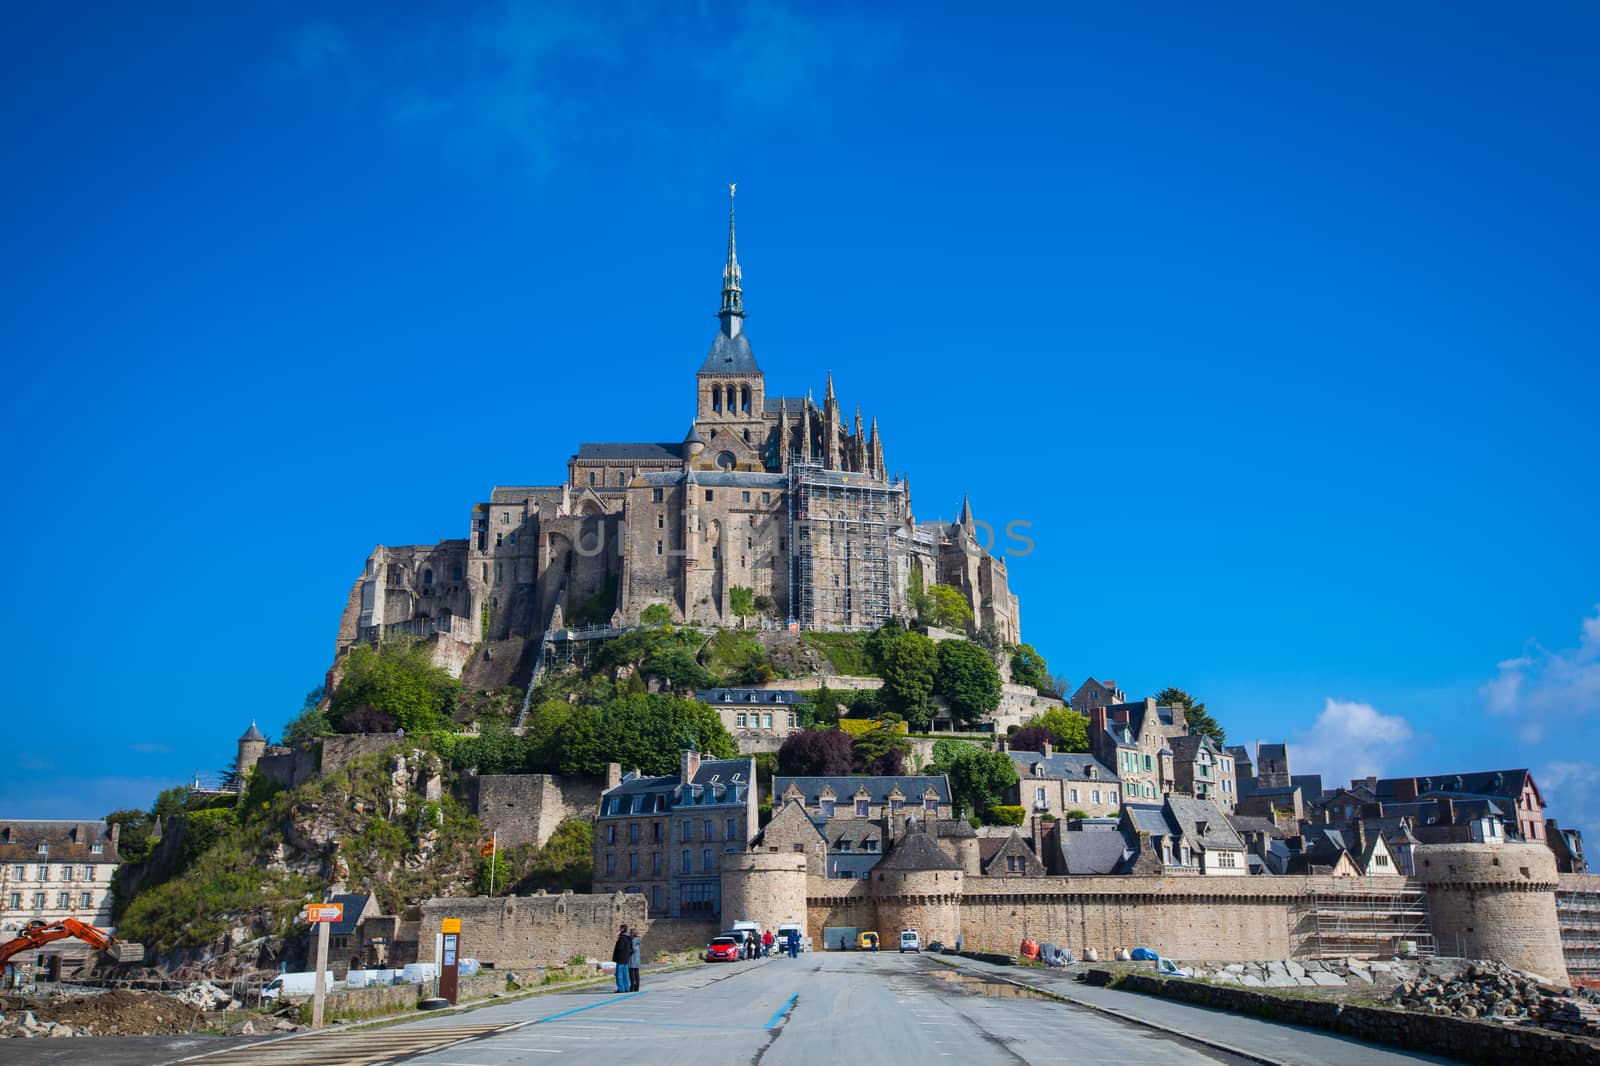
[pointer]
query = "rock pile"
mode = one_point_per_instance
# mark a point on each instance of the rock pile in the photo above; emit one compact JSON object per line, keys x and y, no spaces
{"x":120,"y":1012}
{"x":1352,"y":975}
{"x":203,"y":995}
{"x":1498,"y":993}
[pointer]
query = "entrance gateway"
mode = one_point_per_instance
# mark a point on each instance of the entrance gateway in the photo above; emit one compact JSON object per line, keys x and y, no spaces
{"x":833,"y":934}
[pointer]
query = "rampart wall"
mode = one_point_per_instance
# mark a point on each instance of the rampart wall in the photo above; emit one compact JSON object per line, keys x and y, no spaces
{"x":527,"y":808}
{"x":544,"y":930}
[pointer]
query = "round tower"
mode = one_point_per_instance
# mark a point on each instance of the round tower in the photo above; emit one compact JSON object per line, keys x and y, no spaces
{"x":251,"y":747}
{"x":918,"y":887}
{"x":1494,"y":901}
{"x":767,"y":887}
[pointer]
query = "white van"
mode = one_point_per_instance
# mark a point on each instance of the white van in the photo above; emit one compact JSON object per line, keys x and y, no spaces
{"x":783,"y":937}
{"x":910,"y":941}
{"x":295,"y":984}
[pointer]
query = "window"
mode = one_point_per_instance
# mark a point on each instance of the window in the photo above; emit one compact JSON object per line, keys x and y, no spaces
{"x":1228,"y":859}
{"x":710,"y":495}
{"x":766,"y":497}
{"x":611,"y":864}
{"x":44,"y":849}
{"x":1038,"y":796}
{"x":655,"y":863}
{"x":1111,"y":796}
{"x":44,"y":871}
{"x":591,"y":477}
{"x":1072,"y":795}
{"x":633,"y":833}
{"x":633,"y":864}
{"x":931,"y":803}
{"x":708,"y":860}
{"x":827,"y":808}
{"x":611,"y":833}
{"x":16,"y":901}
{"x":710,"y":829}
{"x":21,"y":873}
{"x":739,"y":720}
{"x":655,"y":897}
{"x":66,"y":873}
{"x":658,"y":548}
{"x":698,"y":899}
{"x":1094,"y":796}
{"x":861,"y":808}
{"x":733,"y":829}
{"x":766,"y":721}
{"x":655,"y":832}
{"x":657,"y":495}
{"x":661,"y":521}
{"x":684,"y":861}
{"x":895,"y":804}
{"x":843,"y":844}
{"x":870,"y":844}
{"x":685,"y":832}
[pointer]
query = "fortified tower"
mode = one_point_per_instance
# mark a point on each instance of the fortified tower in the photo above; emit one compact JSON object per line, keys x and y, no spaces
{"x":764,"y":886}
{"x":1494,"y":901}
{"x":252,"y":746}
{"x":918,"y":887}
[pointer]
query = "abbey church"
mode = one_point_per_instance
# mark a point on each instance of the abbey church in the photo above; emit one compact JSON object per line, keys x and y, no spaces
{"x":777,"y":495}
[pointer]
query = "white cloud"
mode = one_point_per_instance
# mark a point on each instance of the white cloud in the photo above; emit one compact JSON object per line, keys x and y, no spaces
{"x":1541,"y":685}
{"x":1348,"y":740}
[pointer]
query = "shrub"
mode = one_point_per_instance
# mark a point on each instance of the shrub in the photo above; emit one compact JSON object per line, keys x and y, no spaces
{"x":816,"y":753}
{"x":399,"y":679}
{"x":1005,"y":814}
{"x":1072,"y":816}
{"x":968,"y":680}
{"x":657,"y":614}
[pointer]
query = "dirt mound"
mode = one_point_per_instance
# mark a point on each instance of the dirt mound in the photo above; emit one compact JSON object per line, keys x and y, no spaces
{"x":121,"y":1012}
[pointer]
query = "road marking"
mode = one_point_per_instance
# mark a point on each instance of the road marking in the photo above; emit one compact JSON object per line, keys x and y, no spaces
{"x":781,"y":1011}
{"x":592,"y":1006}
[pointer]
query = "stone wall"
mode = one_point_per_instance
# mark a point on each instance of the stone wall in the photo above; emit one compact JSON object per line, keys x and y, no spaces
{"x":1494,"y":901}
{"x":343,"y":748}
{"x":1471,"y":1041}
{"x":511,"y":932}
{"x":527,"y":808}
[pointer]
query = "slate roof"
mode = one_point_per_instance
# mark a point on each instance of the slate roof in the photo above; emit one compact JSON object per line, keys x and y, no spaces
{"x":1507,"y":784}
{"x":878,"y":788}
{"x":1062,"y":765}
{"x":518,"y":493}
{"x":1246,"y":823}
{"x":917,"y":851}
{"x":1094,"y":853}
{"x":1204,"y":822}
{"x":66,"y":841}
{"x":354,"y":905}
{"x":659,"y":794}
{"x":717,"y":478}
{"x":730,"y":355}
{"x":746,"y":696}
{"x":1149,"y":819}
{"x":253,"y":733}
{"x":630,"y":450}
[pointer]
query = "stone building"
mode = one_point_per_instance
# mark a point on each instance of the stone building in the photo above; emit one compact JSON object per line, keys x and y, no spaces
{"x":858,"y":819}
{"x":1513,"y":794}
{"x":50,"y":870}
{"x":759,"y":719}
{"x":1132,"y":739}
{"x":1203,"y":770}
{"x":664,"y":837}
{"x":781,"y":495}
{"x":1059,"y":783}
{"x":1092,"y":694}
{"x":528,"y":808}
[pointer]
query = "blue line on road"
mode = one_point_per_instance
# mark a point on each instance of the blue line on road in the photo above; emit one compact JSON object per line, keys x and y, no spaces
{"x":592,"y":1006}
{"x":778,"y":1017}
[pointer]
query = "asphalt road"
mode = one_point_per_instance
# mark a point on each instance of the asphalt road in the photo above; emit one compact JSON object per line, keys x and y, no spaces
{"x":831,"y":1007}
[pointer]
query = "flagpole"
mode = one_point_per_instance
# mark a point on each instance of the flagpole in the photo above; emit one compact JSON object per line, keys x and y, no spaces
{"x":494,"y":851}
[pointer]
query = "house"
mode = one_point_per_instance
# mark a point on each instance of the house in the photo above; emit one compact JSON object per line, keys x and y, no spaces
{"x":1132,"y":739}
{"x":858,"y":819}
{"x":1183,"y":836}
{"x":1568,"y":846}
{"x":758,"y":719}
{"x":1094,"y":847}
{"x":1060,"y":783}
{"x":50,"y":870}
{"x":663,"y":837}
{"x":1512,"y":792}
{"x":347,"y":945}
{"x":1092,"y":694}
{"x":1203,"y":770}
{"x":1008,"y":856}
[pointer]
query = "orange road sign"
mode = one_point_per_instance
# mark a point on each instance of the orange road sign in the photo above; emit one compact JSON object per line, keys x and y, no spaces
{"x":324,"y":912}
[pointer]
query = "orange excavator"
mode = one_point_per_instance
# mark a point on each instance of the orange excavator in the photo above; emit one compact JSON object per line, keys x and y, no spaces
{"x":38,"y":934}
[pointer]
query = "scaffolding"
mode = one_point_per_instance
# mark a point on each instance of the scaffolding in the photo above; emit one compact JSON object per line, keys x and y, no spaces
{"x":1368,"y":921}
{"x":1578,"y":915}
{"x":841,"y":526}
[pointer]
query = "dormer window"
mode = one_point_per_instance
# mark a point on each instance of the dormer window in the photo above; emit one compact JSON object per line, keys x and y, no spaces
{"x":862,"y":808}
{"x":827,"y":808}
{"x":1094,"y":774}
{"x":43,"y":849}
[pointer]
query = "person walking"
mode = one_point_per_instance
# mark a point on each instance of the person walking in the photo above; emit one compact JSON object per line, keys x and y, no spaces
{"x":621,"y":954}
{"x":794,"y":944}
{"x":635,"y":947}
{"x":766,"y":942}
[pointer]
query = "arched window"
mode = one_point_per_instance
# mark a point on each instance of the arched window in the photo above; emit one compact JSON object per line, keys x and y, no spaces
{"x":427,"y":576}
{"x":716,"y":397}
{"x":456,"y":572}
{"x":731,"y":391}
{"x":744,"y":398}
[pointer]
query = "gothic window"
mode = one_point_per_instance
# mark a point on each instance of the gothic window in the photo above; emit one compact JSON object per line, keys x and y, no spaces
{"x":744,"y":404}
{"x":455,"y":572}
{"x":716,"y":397}
{"x":726,"y":460}
{"x":427,"y":577}
{"x":591,"y":477}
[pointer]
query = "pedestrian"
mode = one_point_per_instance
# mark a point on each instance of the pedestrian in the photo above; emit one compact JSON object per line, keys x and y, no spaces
{"x":794,"y":944}
{"x":621,"y":955}
{"x":961,"y":940}
{"x":766,"y":942}
{"x":633,"y":960}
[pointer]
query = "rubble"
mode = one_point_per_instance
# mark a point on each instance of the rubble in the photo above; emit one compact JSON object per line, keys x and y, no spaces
{"x":1494,"y":992}
{"x":203,"y":995}
{"x":119,"y":1012}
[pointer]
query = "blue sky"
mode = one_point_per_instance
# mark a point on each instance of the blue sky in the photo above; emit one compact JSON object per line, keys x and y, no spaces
{"x":1277,"y":324}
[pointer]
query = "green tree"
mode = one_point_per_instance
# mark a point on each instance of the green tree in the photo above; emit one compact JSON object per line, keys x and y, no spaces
{"x":495,"y":750}
{"x":641,"y":732}
{"x":911,"y":665}
{"x":310,"y":724}
{"x":979,"y":778}
{"x":949,"y":607}
{"x":1029,"y":668}
{"x":657,"y":614}
{"x":880,"y":752}
{"x":947,"y":749}
{"x":399,"y":679}
{"x":825,"y":705}
{"x":494,"y":870}
{"x":170,"y":802}
{"x":133,"y":839}
{"x":877,"y":646}
{"x":968,"y":680}
{"x":1069,"y":730}
{"x":540,"y":731}
{"x":742,"y":602}
{"x":1194,"y":712}
{"x":917,"y":597}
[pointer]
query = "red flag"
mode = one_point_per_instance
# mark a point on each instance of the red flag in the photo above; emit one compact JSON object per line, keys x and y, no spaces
{"x":487,"y":849}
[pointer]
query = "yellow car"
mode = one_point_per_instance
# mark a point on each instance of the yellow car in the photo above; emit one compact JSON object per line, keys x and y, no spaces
{"x":867,"y":941}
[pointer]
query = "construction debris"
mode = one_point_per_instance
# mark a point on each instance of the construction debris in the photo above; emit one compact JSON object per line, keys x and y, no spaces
{"x":1494,"y":992}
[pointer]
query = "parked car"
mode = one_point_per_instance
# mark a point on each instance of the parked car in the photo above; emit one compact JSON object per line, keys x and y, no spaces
{"x":1144,"y":955}
{"x":1168,"y":968}
{"x":724,"y":949}
{"x":866,"y":941}
{"x":910,"y":941}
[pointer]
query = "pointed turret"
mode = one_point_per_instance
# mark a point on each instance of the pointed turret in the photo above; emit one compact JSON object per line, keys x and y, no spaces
{"x":783,"y":434}
{"x":830,"y":428}
{"x":966,"y":513}
{"x":732,"y":313}
{"x":875,"y":449}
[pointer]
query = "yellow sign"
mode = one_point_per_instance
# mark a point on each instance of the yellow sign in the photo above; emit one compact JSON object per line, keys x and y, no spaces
{"x":450,"y":925}
{"x":324,"y":912}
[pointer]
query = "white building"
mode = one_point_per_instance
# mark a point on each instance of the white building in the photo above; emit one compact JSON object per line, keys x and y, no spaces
{"x":50,"y":870}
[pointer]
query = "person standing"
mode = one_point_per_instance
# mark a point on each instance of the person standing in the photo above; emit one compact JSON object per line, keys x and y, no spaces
{"x":766,"y":941}
{"x":621,"y":954}
{"x":794,"y":944}
{"x":636,"y":946}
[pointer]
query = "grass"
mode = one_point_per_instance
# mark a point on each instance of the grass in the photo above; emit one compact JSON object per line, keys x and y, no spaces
{"x":846,"y":653}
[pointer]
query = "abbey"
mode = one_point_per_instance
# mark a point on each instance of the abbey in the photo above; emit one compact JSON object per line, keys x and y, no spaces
{"x":778,"y":495}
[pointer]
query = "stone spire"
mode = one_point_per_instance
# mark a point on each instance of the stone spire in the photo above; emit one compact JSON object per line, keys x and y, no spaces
{"x":783,"y":434}
{"x":732,"y":313}
{"x":830,"y":427}
{"x":858,"y":446}
{"x":875,"y":450}
{"x":966,"y":512}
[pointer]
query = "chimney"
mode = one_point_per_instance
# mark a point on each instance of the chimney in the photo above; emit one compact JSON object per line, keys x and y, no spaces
{"x":1047,"y":749}
{"x":1178,"y":718}
{"x":1360,"y":828}
{"x":613,"y":775}
{"x":688,"y":765}
{"x":1405,"y":790}
{"x":1097,"y":726}
{"x":1447,"y":810}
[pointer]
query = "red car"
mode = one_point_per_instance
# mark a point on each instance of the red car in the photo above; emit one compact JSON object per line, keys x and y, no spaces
{"x":722,"y":949}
